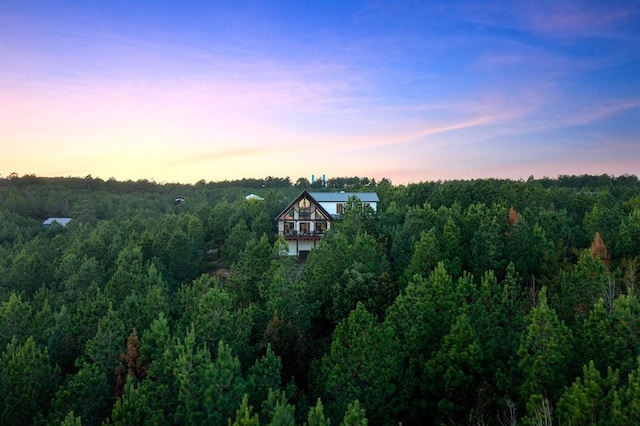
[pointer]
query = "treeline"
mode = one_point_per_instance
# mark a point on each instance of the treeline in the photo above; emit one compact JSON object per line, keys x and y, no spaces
{"x":464,"y":302}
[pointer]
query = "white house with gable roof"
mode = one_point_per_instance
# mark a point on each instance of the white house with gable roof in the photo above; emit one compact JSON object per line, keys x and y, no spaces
{"x":303,"y":222}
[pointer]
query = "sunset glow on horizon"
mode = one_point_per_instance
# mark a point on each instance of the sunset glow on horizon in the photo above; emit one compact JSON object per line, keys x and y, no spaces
{"x":411,"y":91}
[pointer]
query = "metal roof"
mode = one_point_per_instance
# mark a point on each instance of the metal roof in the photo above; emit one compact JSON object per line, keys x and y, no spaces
{"x":343,"y":197}
{"x":61,"y":220}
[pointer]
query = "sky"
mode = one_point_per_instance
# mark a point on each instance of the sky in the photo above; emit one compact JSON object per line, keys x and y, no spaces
{"x":191,"y":90}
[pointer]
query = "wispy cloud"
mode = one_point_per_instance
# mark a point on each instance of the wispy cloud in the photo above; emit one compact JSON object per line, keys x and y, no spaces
{"x":577,"y":19}
{"x":553,"y":19}
{"x":596,"y":111}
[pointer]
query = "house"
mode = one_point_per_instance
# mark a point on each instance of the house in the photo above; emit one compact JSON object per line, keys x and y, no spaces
{"x":63,"y":221}
{"x":310,"y":214}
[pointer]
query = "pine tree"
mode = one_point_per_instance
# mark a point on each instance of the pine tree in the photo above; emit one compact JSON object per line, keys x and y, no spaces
{"x":544,"y":355}
{"x":86,"y":394}
{"x":27,"y":381}
{"x":354,"y":415}
{"x":244,"y":416}
{"x":316,"y":415}
{"x":131,"y":367}
{"x":264,"y":375}
{"x":361,"y":366}
{"x":453,"y":372}
{"x":590,"y":399}
{"x":599,"y":250}
{"x":277,"y":409}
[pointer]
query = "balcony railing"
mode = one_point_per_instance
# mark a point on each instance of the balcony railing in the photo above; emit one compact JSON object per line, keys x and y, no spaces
{"x":301,"y":234}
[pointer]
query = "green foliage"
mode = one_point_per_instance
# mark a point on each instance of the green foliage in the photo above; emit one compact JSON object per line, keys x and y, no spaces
{"x":128,"y":276}
{"x":362,"y":281}
{"x":158,"y":352}
{"x":417,"y":313}
{"x":360,"y":365}
{"x":209,"y":309}
{"x":453,"y":372}
{"x":277,"y":410}
{"x":179,"y":245}
{"x":316,"y":415}
{"x":86,"y":394}
{"x":237,"y":240}
{"x":486,"y":228}
{"x":604,"y":218}
{"x":354,"y":416}
{"x":418,"y":322}
{"x":628,"y":243}
{"x":340,"y":273}
{"x":244,"y":416}
{"x":30,"y":268}
{"x":426,"y":255}
{"x":590,"y":398}
{"x":610,"y":334}
{"x":15,"y":319}
{"x":497,"y":315}
{"x":579,"y":288}
{"x":253,"y":263}
{"x":72,"y":420}
{"x":105,"y":347}
{"x":626,"y":407}
{"x":207,"y":391}
{"x":264,"y":375}
{"x":357,"y":219}
{"x":139,"y":309}
{"x":131,"y":408}
{"x":27,"y":381}
{"x":544,"y":354}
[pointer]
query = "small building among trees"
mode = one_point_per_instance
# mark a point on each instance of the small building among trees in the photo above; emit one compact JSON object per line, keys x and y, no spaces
{"x":62,"y":221}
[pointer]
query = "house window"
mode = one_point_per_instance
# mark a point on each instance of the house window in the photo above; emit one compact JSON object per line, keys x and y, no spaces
{"x":304,"y":204}
{"x":321,"y":227}
{"x":304,"y":209}
{"x":304,"y":228}
{"x":304,"y":213}
{"x":341,"y":208}
{"x":289,"y":228}
{"x":289,"y":214}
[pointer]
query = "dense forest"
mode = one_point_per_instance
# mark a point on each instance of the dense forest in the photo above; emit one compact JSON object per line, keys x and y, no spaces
{"x":484,"y":302}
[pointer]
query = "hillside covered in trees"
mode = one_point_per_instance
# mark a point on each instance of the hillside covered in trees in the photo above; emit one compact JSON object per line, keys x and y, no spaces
{"x":492,"y":302}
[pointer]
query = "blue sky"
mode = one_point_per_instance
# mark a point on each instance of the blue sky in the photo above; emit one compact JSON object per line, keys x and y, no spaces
{"x":408,"y":90}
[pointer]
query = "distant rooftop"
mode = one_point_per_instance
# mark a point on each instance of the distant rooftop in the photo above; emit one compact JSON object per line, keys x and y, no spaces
{"x":64,"y":221}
